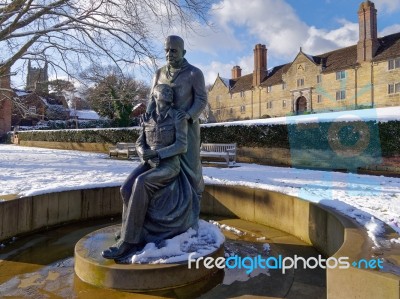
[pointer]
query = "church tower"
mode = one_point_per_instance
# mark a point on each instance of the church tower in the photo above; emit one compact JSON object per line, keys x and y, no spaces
{"x":368,"y":37}
{"x":37,"y":78}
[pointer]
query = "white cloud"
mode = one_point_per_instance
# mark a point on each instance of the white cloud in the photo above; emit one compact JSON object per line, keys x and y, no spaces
{"x":387,"y":6}
{"x":389,"y":30}
{"x":211,"y":71}
{"x":320,"y":40}
{"x":276,"y":24}
{"x":271,"y":22}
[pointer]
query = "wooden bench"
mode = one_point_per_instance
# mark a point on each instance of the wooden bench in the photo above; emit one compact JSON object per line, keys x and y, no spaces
{"x":123,"y":150}
{"x":226,"y":151}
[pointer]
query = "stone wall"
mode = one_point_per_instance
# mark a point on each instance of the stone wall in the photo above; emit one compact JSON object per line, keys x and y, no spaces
{"x":89,"y":147}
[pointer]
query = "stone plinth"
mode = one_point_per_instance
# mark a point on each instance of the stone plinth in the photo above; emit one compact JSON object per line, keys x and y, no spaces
{"x":92,"y":268}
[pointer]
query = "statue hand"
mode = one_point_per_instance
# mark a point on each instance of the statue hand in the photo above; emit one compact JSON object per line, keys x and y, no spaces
{"x":155,"y":161}
{"x":182,"y":114}
{"x":149,"y":154}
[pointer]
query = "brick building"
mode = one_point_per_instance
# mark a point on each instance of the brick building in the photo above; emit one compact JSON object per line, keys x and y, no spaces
{"x":29,"y":108}
{"x":363,"y":75}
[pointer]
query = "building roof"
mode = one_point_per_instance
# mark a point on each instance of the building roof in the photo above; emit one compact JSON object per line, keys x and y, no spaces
{"x":341,"y":59}
{"x":242,"y":83}
{"x":389,"y":47}
{"x":275,"y":75}
{"x":337,"y":60}
{"x":84,"y":114}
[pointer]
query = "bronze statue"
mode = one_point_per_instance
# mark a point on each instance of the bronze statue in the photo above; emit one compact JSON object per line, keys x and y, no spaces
{"x":161,"y":197}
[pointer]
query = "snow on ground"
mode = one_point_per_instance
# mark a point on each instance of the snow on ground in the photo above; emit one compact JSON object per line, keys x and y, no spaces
{"x":368,"y":199}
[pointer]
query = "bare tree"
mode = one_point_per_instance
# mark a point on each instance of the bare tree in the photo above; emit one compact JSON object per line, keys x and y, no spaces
{"x":69,"y":34}
{"x":113,"y":94}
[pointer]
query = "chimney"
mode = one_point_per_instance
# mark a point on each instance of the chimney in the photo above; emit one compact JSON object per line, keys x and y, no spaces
{"x":236,"y":72}
{"x":5,"y":102}
{"x":260,"y":64}
{"x":368,"y":37}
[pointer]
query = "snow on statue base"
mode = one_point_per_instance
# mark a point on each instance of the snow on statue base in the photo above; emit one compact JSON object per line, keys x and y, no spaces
{"x":152,"y":268}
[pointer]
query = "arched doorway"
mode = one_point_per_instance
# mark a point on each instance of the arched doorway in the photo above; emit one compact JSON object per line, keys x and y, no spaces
{"x":301,"y":105}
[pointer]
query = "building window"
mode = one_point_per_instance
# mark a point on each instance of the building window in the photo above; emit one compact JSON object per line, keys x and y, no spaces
{"x":340,"y":95}
{"x":269,"y":105}
{"x":242,"y":94}
{"x":283,"y":85}
{"x":319,"y":99}
{"x":32,"y":109}
{"x":269,"y":88}
{"x":284,"y":103}
{"x":340,"y":75}
{"x":393,"y":88}
{"x":319,"y":79}
{"x":243,"y":109}
{"x":394,"y":63}
{"x":231,"y":111}
{"x":218,"y":98}
{"x":300,"y":82}
{"x":218,"y":112}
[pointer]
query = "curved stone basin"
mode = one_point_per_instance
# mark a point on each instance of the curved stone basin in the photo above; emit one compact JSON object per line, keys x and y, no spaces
{"x":29,"y":269}
{"x":325,"y":229}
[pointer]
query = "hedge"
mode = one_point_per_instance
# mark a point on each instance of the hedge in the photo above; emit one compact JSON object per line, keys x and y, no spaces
{"x":376,"y":138}
{"x":111,"y":136}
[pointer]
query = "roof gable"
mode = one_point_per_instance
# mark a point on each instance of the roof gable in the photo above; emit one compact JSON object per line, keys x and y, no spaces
{"x":221,"y":81}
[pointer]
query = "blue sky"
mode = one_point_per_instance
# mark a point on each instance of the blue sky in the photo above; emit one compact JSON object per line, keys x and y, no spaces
{"x":283,"y":26}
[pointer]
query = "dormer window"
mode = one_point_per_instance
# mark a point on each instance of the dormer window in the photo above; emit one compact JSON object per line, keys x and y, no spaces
{"x":269,"y":89}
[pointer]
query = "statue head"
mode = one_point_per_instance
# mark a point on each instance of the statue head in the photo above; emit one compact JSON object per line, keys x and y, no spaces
{"x":174,"y":50}
{"x":163,"y":93}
